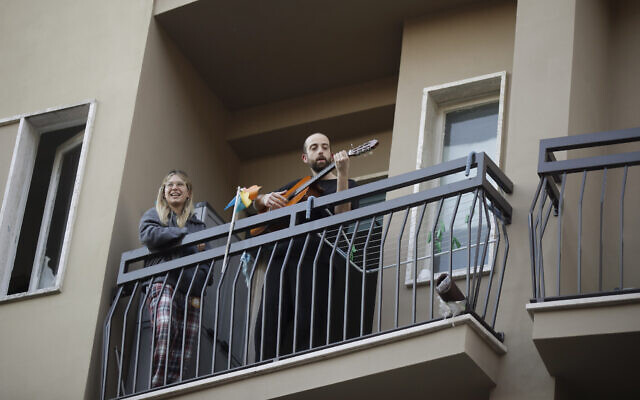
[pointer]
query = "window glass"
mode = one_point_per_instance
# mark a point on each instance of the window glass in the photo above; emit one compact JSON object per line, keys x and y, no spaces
{"x":466,"y":130}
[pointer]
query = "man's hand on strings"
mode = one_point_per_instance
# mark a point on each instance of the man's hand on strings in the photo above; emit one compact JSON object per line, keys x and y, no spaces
{"x":341,"y":159}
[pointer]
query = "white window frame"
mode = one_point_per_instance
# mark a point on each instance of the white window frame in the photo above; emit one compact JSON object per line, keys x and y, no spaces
{"x":437,"y":101}
{"x":31,"y":127}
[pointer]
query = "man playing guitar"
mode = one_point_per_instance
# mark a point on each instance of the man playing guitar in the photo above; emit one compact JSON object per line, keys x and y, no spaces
{"x":316,"y":153}
{"x":281,"y":306}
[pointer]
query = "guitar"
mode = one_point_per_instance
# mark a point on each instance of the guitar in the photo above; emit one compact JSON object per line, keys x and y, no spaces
{"x":305,"y":186}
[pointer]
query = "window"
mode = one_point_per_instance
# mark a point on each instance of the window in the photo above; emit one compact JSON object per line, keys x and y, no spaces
{"x":457,"y":118}
{"x":40,"y":198}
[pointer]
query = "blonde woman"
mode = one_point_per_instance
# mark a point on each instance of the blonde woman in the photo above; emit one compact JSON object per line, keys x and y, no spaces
{"x":161,"y":228}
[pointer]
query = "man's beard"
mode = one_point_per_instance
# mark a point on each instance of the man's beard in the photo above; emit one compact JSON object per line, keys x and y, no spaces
{"x":317,"y":168}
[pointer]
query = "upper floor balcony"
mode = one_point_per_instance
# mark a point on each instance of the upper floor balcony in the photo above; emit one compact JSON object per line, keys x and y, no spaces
{"x":398,"y":294}
{"x":586,"y":284}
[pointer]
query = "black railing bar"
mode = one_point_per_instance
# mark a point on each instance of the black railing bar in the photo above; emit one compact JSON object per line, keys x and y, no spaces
{"x":410,"y":178}
{"x":385,"y":185}
{"x":386,"y":207}
{"x":283,"y":269}
{"x":602,"y":198}
{"x":397,"y":297}
{"x":590,"y":163}
{"x":202,"y":303}
{"x":415,"y":264}
{"x":493,"y":266}
{"x":433,"y":242}
{"x":468,"y":283}
{"x":538,"y":240}
{"x":297,"y":294}
{"x":472,"y":300}
{"x":173,"y":296}
{"x":624,"y":184}
{"x":504,"y":266}
{"x":185,"y":316}
{"x":330,"y":285}
{"x":153,"y":330}
{"x":584,"y":180}
{"x":560,"y":213}
{"x":385,"y":230}
{"x":264,"y":300}
{"x":105,"y":342}
{"x":549,"y":157}
{"x":233,"y":308}
{"x":484,"y":253}
{"x":223,"y":274}
{"x":313,"y":287}
{"x":497,"y":200}
{"x":364,"y":280}
{"x":245,"y":355}
{"x":119,"y":362}
{"x":124,"y":333}
{"x":532,"y":241}
{"x":495,"y":172}
{"x":346,"y":283}
{"x":587,"y":140}
{"x":544,"y":228}
{"x":453,"y":218}
{"x":137,"y":353}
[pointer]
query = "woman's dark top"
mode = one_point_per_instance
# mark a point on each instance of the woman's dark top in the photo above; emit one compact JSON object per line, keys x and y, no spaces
{"x":158,"y":237}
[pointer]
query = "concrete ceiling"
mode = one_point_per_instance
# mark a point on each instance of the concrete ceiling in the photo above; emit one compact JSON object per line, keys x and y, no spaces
{"x":256,"y":52}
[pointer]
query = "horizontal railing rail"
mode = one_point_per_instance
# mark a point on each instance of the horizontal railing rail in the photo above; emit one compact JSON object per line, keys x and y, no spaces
{"x":315,"y":283}
{"x":587,"y":194}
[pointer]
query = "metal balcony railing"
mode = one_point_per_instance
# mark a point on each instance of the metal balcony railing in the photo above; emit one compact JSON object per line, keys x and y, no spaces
{"x":584,"y":254}
{"x":368,"y":270}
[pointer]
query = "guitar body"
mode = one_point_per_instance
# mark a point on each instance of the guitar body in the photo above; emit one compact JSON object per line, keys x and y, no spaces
{"x":306,"y":186}
{"x":294,"y":198}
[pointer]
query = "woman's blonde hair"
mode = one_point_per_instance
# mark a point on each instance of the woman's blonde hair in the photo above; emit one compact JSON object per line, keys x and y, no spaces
{"x":162,"y":207}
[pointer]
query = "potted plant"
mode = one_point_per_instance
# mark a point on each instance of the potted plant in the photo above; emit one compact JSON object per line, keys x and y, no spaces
{"x":441,"y":262}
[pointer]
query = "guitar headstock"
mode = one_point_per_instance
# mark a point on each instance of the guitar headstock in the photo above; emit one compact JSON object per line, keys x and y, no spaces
{"x":363,"y":148}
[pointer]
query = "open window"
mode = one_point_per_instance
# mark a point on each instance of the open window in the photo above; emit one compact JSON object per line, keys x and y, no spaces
{"x":40,"y":199}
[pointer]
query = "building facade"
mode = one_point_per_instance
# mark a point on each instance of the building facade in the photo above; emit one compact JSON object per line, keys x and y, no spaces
{"x":101,"y":99}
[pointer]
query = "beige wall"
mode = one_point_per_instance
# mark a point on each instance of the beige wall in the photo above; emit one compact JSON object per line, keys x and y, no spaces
{"x":539,"y":108}
{"x":443,"y":48}
{"x":178,"y":124}
{"x":64,"y":53}
{"x":7,"y":142}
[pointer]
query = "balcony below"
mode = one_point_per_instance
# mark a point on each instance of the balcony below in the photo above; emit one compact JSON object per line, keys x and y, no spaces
{"x":590,"y":343}
{"x":431,"y":359}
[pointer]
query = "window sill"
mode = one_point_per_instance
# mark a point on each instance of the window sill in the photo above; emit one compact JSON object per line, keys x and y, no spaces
{"x":29,"y":295}
{"x":424,"y":276}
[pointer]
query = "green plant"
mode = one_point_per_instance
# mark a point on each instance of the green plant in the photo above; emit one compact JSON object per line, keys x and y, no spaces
{"x":439,"y":237}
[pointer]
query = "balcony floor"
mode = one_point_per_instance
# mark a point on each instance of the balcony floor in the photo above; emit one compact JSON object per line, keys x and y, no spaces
{"x":591,"y":343}
{"x":428,"y":360}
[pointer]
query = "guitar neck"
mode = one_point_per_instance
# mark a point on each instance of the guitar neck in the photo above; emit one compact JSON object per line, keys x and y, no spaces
{"x":316,"y":178}
{"x":363,"y":148}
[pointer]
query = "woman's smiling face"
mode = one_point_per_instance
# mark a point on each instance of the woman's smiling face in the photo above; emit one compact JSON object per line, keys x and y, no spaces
{"x":176,"y":192}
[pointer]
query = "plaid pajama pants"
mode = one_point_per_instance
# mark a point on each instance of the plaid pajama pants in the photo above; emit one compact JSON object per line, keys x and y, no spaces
{"x":168,"y":331}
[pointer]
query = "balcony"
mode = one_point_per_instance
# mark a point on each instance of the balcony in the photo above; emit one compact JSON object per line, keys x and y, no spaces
{"x":586,"y":280}
{"x":381,"y":279}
